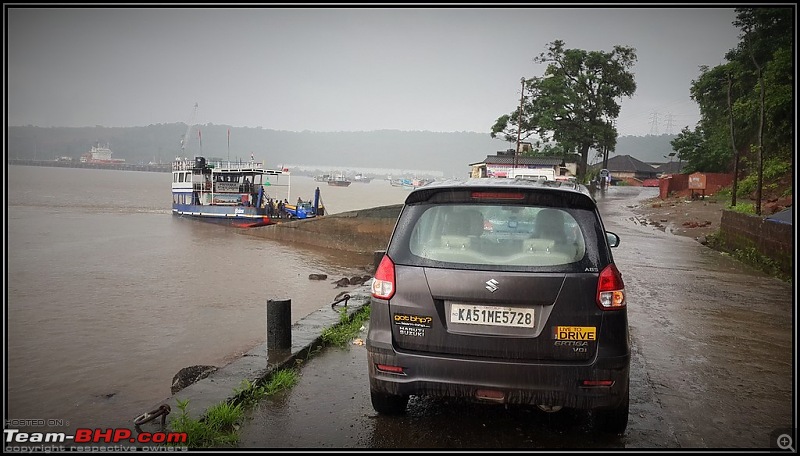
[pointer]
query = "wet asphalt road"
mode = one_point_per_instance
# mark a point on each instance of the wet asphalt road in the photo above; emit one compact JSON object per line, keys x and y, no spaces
{"x":712,"y":367}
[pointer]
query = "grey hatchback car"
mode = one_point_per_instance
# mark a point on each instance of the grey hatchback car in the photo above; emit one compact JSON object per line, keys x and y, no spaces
{"x":503,"y":291}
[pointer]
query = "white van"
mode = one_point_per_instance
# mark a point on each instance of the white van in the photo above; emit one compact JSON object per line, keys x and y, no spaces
{"x":532,"y":174}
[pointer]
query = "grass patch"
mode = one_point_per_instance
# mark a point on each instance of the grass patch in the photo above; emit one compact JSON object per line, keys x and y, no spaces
{"x":714,"y":241}
{"x":743,"y":208}
{"x":219,"y":427}
{"x":252,"y":393}
{"x":216,"y":430}
{"x":347,"y":328}
{"x":752,"y":257}
{"x":749,"y":256}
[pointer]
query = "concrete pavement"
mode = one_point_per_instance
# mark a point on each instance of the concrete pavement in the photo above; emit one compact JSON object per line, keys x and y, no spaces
{"x":259,"y":364}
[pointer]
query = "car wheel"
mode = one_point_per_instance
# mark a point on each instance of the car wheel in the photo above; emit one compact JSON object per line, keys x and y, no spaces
{"x":388,"y":404}
{"x":612,"y":420}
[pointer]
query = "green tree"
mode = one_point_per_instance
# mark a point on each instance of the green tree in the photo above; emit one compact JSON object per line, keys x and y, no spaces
{"x":764,"y":30}
{"x":747,"y":104}
{"x":576,"y":101}
{"x":709,"y":148}
{"x":700,"y":150}
{"x":767,"y":41}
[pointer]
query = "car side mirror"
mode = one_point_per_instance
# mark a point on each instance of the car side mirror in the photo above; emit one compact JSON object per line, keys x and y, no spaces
{"x":613,"y":239}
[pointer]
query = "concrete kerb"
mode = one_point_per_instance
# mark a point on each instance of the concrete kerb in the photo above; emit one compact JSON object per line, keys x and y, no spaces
{"x":258,"y":364}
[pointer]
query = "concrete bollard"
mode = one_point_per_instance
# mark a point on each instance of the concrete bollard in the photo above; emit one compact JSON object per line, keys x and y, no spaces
{"x":279,"y":324}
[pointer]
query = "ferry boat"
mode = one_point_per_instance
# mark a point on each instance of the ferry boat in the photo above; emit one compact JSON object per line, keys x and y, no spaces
{"x":244,"y":194}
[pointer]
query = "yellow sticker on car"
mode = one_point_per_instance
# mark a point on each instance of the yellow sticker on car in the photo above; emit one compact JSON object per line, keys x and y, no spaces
{"x":575,"y":333}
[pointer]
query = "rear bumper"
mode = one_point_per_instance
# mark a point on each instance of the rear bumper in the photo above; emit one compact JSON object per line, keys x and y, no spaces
{"x":520,"y":382}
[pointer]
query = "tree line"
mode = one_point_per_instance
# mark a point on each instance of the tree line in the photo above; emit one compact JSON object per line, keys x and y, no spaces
{"x":746,"y":104}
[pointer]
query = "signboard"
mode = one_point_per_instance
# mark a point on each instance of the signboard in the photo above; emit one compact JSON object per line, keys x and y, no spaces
{"x":697,"y":181}
{"x":227,"y":199}
{"x":227,"y":186}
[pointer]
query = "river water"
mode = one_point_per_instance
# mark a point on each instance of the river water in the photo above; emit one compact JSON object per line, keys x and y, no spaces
{"x":109,"y":295}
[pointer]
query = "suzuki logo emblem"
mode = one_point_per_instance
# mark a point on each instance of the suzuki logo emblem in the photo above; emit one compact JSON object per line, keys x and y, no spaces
{"x":491,"y":285}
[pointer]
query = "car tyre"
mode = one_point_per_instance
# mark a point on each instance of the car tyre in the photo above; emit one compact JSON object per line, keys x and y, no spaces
{"x":388,"y":404}
{"x":612,"y":420}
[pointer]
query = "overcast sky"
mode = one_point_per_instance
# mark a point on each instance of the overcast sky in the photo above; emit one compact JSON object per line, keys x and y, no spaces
{"x":339,"y":69}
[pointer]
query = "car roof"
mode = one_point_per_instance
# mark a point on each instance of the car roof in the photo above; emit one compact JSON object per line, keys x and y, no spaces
{"x":498,"y":183}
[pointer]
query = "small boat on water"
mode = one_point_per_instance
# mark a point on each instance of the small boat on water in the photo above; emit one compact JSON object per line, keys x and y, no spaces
{"x":339,"y":181}
{"x":410,"y":184}
{"x":362,"y":178}
{"x":244,"y":194}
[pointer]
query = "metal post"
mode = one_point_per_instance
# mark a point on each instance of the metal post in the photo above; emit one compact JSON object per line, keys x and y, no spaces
{"x":279,"y":324}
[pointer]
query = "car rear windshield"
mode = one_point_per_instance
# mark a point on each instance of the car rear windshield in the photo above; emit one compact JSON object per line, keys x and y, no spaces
{"x":500,"y":237}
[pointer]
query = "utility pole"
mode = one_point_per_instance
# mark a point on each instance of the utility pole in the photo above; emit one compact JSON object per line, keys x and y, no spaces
{"x":519,"y":122}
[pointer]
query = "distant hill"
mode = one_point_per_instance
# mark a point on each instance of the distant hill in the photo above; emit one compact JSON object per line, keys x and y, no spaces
{"x":447,"y":152}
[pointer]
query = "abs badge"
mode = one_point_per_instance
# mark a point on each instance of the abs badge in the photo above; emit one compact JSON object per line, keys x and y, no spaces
{"x":412,"y":325}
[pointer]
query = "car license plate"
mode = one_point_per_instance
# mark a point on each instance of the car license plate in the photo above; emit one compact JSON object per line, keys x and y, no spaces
{"x":491,"y":315}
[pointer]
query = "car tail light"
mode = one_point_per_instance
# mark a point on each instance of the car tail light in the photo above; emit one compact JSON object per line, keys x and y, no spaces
{"x":491,"y":395}
{"x":601,"y":383}
{"x":498,"y":195}
{"x":383,"y":285}
{"x":389,"y":368}
{"x":610,"y":289}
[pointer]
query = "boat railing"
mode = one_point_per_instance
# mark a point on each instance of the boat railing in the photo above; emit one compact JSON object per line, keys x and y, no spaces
{"x":252,"y":166}
{"x":182,"y":165}
{"x":226,"y":166}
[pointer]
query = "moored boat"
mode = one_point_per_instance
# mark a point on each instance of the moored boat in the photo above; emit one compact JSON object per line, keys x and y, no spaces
{"x":245,"y":194}
{"x":410,"y":184}
{"x":100,"y":154}
{"x":339,"y":181}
